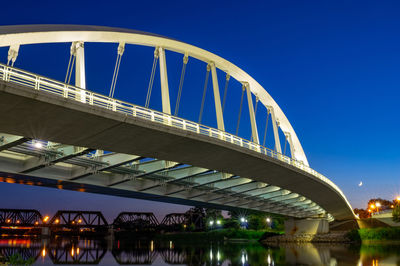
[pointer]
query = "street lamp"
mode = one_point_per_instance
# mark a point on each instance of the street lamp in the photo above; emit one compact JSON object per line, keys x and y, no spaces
{"x":378,"y":204}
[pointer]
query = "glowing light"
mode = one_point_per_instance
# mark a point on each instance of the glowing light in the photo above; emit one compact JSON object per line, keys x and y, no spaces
{"x":38,"y":145}
{"x":360,"y":184}
{"x":36,"y":223}
{"x":151,"y":246}
{"x":77,"y":251}
{"x":43,"y":252}
{"x":46,"y":218}
{"x":79,"y":221}
{"x":242,"y":220}
{"x":269,"y":260}
{"x":8,"y":221}
{"x":398,"y":198}
{"x":218,"y":256}
{"x":57,"y":221}
{"x":219,"y":222}
{"x":268,"y":220}
{"x":372,"y":206}
{"x":211,"y":222}
{"x":378,"y":204}
{"x":18,"y":221}
{"x":171,"y":245}
{"x":72,"y":252}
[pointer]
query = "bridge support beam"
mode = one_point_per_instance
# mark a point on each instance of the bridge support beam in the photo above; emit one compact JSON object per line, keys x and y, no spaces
{"x":80,"y":75}
{"x":289,"y":139}
{"x":12,"y":54}
{"x":166,"y":106}
{"x":217,"y":98}
{"x":306,"y":226}
{"x":254,"y":132}
{"x":276,"y":133}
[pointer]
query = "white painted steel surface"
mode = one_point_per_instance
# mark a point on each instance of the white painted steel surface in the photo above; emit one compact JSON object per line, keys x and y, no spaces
{"x":36,"y":34}
{"x":36,"y":82}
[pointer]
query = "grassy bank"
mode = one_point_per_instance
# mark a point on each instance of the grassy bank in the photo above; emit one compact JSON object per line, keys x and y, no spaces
{"x":375,"y":234}
{"x":216,"y":235}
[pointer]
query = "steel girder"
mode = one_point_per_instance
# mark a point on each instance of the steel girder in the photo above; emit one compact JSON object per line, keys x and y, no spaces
{"x":160,"y":177}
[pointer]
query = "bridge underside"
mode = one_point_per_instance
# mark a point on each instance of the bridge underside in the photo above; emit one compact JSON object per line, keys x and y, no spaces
{"x":49,"y":164}
{"x":210,"y":172}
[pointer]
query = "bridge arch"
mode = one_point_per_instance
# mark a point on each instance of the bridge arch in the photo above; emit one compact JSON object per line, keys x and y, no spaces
{"x":14,"y":36}
{"x":262,"y":184}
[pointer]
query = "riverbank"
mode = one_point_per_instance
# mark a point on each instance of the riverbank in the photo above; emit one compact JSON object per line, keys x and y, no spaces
{"x":376,"y":235}
{"x":218,"y":235}
{"x":333,"y":237}
{"x":380,"y":235}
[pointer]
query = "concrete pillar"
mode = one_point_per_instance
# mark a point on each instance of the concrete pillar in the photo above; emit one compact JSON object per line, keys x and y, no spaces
{"x":306,"y":226}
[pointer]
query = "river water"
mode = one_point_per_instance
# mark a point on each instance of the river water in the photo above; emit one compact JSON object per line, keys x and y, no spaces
{"x":63,"y":251}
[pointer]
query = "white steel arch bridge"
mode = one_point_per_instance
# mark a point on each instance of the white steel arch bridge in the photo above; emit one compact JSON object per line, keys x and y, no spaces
{"x":55,"y":134}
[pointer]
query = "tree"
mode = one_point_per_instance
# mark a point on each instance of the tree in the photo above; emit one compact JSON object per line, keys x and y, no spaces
{"x":232,"y":223}
{"x":385,"y":204}
{"x":363,"y":214}
{"x":396,"y":213}
{"x":213,"y":214}
{"x":196,"y":216}
{"x":257,"y":221}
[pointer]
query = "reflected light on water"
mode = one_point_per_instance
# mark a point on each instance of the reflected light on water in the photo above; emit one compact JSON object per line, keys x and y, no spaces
{"x":244,"y":257}
{"x":269,"y":260}
{"x":78,"y":251}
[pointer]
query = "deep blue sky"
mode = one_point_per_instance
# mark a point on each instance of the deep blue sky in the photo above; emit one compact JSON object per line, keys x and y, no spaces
{"x":332,"y":66}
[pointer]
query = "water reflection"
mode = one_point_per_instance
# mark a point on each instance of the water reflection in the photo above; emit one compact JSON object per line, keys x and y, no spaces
{"x":149,"y":252}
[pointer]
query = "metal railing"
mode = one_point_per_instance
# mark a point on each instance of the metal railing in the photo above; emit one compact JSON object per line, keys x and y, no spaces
{"x":40,"y":83}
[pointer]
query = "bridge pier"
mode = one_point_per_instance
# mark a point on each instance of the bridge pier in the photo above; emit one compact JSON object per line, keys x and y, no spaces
{"x":306,"y":226}
{"x":46,"y":232}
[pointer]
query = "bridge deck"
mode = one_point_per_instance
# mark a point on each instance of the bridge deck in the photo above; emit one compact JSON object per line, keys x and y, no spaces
{"x":44,"y":116}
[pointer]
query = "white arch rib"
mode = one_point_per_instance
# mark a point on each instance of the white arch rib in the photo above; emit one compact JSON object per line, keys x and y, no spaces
{"x":37,"y":34}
